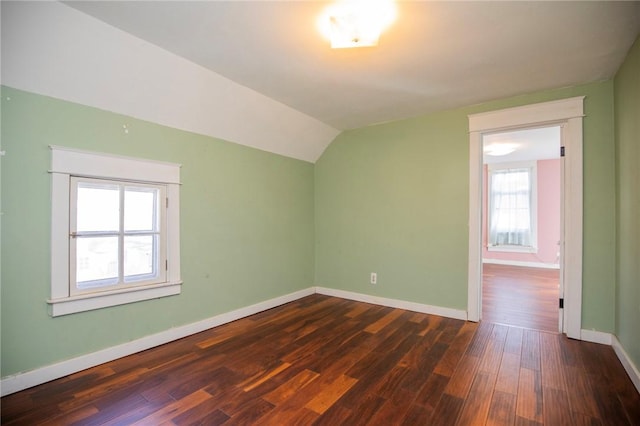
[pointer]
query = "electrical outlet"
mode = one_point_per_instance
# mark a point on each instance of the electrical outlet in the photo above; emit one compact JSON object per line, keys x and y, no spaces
{"x":374,"y":278}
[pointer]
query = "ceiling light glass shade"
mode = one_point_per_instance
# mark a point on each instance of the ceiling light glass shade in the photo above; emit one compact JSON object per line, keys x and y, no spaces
{"x":353,"y":31}
{"x":500,"y":149}
{"x":356,"y":23}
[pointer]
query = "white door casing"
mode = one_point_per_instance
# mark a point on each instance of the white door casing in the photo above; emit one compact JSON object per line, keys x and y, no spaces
{"x":568,"y":114}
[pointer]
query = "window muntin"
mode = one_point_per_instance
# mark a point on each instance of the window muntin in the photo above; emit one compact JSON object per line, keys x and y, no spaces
{"x":116,"y":234}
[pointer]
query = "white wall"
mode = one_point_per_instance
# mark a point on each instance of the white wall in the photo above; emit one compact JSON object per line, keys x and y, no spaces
{"x":51,"y":49}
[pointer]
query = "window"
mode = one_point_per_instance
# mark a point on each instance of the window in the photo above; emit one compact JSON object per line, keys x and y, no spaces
{"x":115,"y":230}
{"x":512,"y":212}
{"x":117,"y":235}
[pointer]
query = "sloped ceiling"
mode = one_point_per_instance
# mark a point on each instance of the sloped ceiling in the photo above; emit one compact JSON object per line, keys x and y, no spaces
{"x":437,"y":55}
{"x":260,"y":74}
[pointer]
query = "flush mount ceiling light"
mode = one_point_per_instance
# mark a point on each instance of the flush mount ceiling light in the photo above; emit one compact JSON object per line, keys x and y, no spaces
{"x":500,"y":149}
{"x":356,"y":23}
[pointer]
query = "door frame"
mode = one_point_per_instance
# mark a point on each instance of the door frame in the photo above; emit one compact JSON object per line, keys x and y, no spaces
{"x":566,"y":113}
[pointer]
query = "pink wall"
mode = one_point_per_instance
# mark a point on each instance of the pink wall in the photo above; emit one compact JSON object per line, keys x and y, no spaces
{"x":548,"y":217}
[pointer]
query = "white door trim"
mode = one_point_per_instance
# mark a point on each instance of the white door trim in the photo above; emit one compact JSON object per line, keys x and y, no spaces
{"x":567,"y":113}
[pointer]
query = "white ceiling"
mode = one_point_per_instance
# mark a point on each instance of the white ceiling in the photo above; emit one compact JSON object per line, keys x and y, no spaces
{"x":436,"y":56}
{"x":531,"y":144}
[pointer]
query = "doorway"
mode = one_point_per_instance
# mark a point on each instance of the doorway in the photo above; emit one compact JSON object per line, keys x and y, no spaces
{"x":521,"y":228}
{"x":566,"y":113}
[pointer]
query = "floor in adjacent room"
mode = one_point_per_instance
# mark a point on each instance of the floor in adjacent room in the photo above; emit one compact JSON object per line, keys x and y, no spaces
{"x":329,"y":361}
{"x":521,"y":296}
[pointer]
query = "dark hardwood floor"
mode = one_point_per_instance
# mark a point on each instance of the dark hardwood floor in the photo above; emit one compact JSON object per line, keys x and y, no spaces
{"x":328,"y":361}
{"x":520,"y":296}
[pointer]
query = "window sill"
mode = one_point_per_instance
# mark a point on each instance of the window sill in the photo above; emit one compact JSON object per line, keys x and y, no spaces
{"x":513,"y":249}
{"x":88,"y":302}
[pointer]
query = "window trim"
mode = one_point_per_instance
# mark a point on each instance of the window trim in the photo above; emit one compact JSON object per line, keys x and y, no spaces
{"x":533,"y":207}
{"x":67,"y":162}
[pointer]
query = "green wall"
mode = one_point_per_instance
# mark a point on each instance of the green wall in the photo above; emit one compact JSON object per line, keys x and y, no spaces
{"x":246,"y":228}
{"x":390,"y":199}
{"x":393,"y":199}
{"x":627,"y":125}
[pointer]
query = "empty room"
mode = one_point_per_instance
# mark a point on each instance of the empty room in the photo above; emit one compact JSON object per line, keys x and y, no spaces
{"x":322,"y":213}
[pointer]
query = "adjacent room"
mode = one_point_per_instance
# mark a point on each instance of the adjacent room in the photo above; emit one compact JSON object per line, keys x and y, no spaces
{"x":522,"y":228}
{"x":312,"y":212}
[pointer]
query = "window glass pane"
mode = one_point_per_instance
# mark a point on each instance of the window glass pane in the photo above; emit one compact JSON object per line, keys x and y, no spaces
{"x":140,"y":261}
{"x":96,"y":261}
{"x":98,"y":207}
{"x":140,"y":209}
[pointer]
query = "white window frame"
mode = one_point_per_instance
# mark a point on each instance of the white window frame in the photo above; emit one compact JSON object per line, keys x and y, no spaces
{"x":67,"y":162}
{"x":160,"y":232}
{"x":533,"y":175}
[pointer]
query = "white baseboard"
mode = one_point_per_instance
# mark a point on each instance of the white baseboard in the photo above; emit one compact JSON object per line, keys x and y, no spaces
{"x":20,"y":381}
{"x":611,"y":340}
{"x":521,"y":263}
{"x":596,"y":337}
{"x":394,"y":303}
{"x":629,"y":366}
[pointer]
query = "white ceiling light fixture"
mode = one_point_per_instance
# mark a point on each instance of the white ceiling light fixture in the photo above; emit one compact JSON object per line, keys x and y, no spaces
{"x":500,"y":149}
{"x":356,"y":23}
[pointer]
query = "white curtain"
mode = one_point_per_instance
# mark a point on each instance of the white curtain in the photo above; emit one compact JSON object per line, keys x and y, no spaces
{"x":510,"y":207}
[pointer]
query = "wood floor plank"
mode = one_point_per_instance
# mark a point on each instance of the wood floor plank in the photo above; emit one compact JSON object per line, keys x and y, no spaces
{"x":447,"y":411}
{"x":419,"y":372}
{"x":492,"y":356}
{"x":556,"y":408}
{"x":479,"y":342}
{"x":513,"y":344}
{"x":125,"y":402}
{"x":129,"y":417}
{"x":502,"y":410}
{"x":476,"y":406}
{"x":423,"y":344}
{"x":175,"y":409}
{"x":259,"y":379}
{"x":462,"y":377}
{"x":80,"y":415}
{"x":383,"y":322}
{"x":286,"y":390}
{"x":429,"y":324}
{"x":529,"y":402}
{"x":201,"y":414}
{"x":390,"y":382}
{"x":432,"y":391}
{"x":357,"y":310}
{"x":450,"y":360}
{"x":250,"y":413}
{"x":417,"y":415}
{"x":553,"y":371}
{"x":325,"y":399}
{"x":521,"y":421}
{"x":509,"y":374}
{"x":335,"y":415}
{"x":393,"y":409}
{"x":581,"y":397}
{"x":531,"y":350}
{"x":369,"y":407}
{"x":328,"y":361}
{"x":289,"y":412}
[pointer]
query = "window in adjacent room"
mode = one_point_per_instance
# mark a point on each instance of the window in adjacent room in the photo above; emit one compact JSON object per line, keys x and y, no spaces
{"x":115,"y":230}
{"x":512,"y":207}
